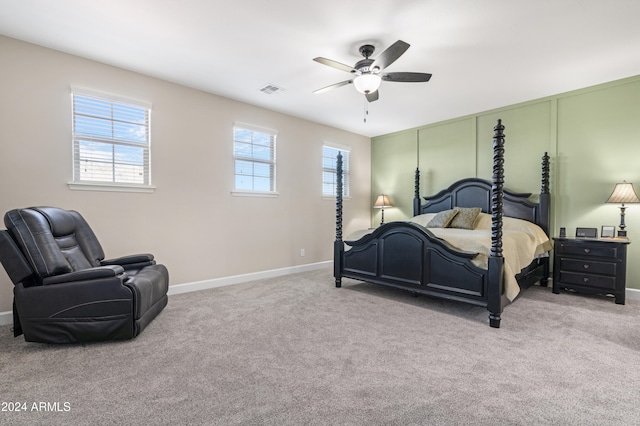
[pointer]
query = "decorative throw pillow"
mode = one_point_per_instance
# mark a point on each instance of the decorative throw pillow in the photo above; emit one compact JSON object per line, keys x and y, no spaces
{"x":465,"y":218}
{"x":442,"y":219}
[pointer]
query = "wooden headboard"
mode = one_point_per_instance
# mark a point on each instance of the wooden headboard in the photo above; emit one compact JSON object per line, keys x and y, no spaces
{"x":475,"y":192}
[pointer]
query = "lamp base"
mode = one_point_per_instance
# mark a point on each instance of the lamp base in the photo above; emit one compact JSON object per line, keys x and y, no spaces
{"x":622,"y":234}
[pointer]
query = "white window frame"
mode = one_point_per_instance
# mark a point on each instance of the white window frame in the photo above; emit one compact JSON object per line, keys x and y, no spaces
{"x":115,"y":183}
{"x":331,"y":170}
{"x":253,"y":161}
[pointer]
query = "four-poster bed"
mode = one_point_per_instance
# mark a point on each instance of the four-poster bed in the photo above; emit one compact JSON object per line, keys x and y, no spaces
{"x":410,"y":256}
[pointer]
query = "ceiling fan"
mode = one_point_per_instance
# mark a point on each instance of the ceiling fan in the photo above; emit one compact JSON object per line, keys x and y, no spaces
{"x":368,"y":72}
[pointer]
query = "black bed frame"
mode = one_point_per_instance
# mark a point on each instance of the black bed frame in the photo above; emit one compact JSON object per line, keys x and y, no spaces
{"x":407,"y":256}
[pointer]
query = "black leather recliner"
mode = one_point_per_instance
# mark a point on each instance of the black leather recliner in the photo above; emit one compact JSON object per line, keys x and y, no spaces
{"x":64,"y":289}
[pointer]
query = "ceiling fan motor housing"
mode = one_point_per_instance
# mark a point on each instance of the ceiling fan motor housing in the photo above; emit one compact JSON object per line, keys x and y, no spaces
{"x":367,"y":50}
{"x":364,"y":66}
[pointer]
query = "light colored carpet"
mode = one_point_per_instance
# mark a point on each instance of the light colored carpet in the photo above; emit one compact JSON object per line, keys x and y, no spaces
{"x":297,"y":351}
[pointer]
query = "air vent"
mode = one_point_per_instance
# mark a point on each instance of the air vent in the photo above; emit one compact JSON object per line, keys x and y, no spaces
{"x":270,"y":89}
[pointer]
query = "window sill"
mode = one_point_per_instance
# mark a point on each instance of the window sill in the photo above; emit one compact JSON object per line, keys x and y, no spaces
{"x":333,"y":198}
{"x":255,"y":194}
{"x":110,"y":187}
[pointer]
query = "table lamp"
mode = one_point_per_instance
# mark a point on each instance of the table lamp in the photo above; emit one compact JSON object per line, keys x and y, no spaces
{"x":381,"y":202}
{"x":623,"y":193}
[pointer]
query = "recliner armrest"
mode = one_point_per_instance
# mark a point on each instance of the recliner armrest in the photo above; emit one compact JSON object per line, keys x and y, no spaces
{"x":13,"y":260}
{"x":87,"y":274}
{"x":130,"y":259}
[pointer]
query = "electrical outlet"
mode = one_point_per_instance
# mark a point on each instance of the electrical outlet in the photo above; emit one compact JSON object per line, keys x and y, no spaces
{"x":302,"y":252}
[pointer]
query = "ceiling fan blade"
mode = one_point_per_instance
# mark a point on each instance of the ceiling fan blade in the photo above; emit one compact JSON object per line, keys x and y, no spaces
{"x":390,"y":55}
{"x":372,"y":96}
{"x":406,"y":77}
{"x":334,"y":64}
{"x":333,"y":86}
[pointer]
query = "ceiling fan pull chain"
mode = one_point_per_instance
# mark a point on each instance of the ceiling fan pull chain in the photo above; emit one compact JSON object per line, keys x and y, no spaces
{"x":366,"y":109}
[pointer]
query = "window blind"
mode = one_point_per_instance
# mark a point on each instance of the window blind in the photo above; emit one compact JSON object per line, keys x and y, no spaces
{"x":254,"y":152}
{"x":110,"y":141}
{"x":330,"y":172}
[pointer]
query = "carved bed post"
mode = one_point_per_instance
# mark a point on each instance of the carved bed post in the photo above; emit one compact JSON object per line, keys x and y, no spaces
{"x":338,"y":246}
{"x":545,"y":197}
{"x":416,"y":196}
{"x":496,"y":260}
{"x":545,"y":212}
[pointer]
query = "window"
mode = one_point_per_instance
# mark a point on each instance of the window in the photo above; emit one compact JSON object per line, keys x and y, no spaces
{"x":254,"y":155}
{"x":330,"y":173}
{"x":110,"y":140}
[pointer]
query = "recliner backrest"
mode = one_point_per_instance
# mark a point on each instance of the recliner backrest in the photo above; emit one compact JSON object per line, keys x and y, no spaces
{"x":54,"y":241}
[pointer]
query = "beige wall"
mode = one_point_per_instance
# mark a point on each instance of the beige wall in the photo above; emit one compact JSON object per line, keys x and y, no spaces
{"x":592,"y":136}
{"x":191,"y":223}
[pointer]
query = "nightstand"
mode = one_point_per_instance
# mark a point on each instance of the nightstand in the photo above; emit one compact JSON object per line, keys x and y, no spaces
{"x":591,"y":265}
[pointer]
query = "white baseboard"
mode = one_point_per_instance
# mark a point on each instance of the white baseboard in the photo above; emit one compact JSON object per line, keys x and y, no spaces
{"x":633,"y":293}
{"x":7,"y":317}
{"x":236,"y":279}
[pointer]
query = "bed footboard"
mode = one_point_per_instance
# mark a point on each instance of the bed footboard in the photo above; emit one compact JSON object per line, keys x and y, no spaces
{"x":406,"y":255}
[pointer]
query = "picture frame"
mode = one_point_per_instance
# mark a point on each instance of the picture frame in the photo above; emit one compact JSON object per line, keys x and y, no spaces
{"x":608,"y":232}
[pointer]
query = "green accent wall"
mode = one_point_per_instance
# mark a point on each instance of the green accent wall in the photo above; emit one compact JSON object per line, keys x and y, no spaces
{"x":592,"y":136}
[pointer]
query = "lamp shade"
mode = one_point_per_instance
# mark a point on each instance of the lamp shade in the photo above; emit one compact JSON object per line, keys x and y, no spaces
{"x":367,"y":83}
{"x":382,"y":201}
{"x":623,"y":193}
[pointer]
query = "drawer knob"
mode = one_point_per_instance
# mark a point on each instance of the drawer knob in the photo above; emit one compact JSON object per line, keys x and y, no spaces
{"x":587,"y":250}
{"x":585,"y":266}
{"x":585,"y":279}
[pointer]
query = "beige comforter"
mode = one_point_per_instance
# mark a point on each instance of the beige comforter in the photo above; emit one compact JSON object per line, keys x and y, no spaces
{"x":522,"y":241}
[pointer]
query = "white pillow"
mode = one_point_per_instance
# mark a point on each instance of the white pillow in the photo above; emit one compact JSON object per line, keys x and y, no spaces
{"x":423,"y":219}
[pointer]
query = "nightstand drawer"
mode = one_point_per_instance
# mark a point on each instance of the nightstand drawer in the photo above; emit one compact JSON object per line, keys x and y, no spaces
{"x":588,"y":266}
{"x":585,"y":250}
{"x":591,"y":265}
{"x":588,"y":280}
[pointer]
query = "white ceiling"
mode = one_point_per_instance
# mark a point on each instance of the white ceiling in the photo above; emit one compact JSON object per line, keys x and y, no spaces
{"x":482,"y":54}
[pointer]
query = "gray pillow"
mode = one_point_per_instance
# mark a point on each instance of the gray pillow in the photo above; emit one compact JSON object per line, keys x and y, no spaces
{"x":466,"y":217}
{"x":442,"y":219}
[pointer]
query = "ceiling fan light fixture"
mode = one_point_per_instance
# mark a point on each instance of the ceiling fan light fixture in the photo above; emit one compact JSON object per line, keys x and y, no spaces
{"x":367,"y":83}
{"x":367,"y":72}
